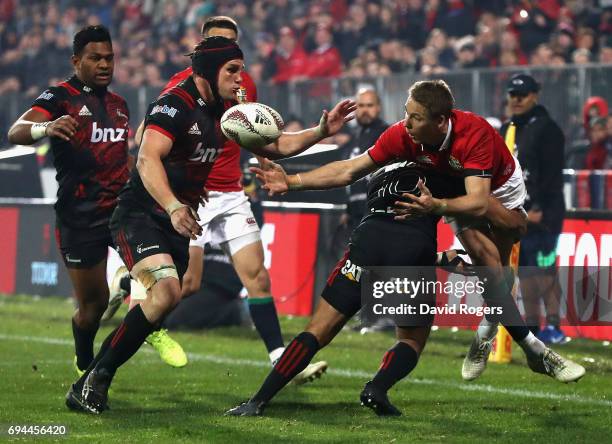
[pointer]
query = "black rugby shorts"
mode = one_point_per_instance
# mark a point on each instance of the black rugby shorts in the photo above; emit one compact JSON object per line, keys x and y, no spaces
{"x":82,"y":248}
{"x":377,"y":241}
{"x":137,"y":234}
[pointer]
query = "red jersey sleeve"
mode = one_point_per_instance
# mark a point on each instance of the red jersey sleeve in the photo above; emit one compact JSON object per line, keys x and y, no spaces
{"x":479,"y":156}
{"x":390,"y":145}
{"x":176,"y":79}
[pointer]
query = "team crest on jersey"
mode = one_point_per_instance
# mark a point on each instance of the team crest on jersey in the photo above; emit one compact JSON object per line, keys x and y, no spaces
{"x":454,"y":163}
{"x":241,"y":95}
{"x":425,"y":159}
{"x":351,"y":271}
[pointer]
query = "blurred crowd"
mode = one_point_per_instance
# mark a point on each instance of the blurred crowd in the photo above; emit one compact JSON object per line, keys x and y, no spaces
{"x":290,"y":40}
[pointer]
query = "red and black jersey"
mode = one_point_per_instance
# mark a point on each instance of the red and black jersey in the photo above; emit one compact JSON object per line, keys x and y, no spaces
{"x":183,"y":116}
{"x":92,"y":167}
{"x":472,"y":148}
{"x":226,"y":174}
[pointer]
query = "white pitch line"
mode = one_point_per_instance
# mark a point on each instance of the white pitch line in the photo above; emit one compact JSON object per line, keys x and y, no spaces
{"x":351,"y":373}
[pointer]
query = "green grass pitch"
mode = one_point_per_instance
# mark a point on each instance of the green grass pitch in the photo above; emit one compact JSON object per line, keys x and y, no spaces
{"x":151,"y":402}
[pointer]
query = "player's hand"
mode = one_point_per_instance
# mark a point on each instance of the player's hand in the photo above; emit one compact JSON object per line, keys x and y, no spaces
{"x":535,"y":216}
{"x":64,"y":127}
{"x":272,"y":176}
{"x":331,"y":122}
{"x":204,"y":197}
{"x":185,"y":222}
{"x":414,"y":205}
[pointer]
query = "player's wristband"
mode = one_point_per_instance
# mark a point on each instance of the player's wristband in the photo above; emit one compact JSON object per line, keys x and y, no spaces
{"x":39,"y":130}
{"x":174,"y":206}
{"x":298,"y":185}
{"x":441,"y":209}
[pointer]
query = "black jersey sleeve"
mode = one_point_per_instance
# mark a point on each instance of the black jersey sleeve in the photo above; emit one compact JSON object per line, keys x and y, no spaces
{"x":49,"y":102}
{"x":168,"y":115}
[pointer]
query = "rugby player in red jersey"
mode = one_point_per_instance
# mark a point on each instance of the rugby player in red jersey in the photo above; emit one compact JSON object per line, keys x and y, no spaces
{"x":486,"y":219}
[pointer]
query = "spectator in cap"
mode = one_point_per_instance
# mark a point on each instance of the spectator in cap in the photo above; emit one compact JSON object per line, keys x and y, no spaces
{"x":538,"y":142}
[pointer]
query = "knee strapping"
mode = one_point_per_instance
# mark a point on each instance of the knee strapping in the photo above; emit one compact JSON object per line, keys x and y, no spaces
{"x":151,"y":275}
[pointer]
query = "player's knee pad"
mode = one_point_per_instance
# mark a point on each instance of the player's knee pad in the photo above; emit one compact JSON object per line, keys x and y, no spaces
{"x":151,"y":275}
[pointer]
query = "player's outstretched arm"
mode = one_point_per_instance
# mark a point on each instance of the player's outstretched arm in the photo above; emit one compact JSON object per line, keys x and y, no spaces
{"x":332,"y":175}
{"x":290,"y":144}
{"x":473,"y":203}
{"x":155,"y":146}
{"x":34,"y":125}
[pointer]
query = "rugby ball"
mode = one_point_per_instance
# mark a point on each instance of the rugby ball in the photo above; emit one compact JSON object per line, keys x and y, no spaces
{"x":252,"y":125}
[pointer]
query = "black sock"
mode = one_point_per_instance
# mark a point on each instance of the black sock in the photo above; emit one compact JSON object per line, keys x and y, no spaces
{"x":295,"y":358}
{"x":399,"y":360}
{"x":498,"y":293}
{"x":130,"y":335}
{"x":125,"y":283}
{"x":83,"y":344}
{"x":96,"y":359}
{"x":533,"y":324}
{"x":518,"y":332}
{"x":263,"y":314}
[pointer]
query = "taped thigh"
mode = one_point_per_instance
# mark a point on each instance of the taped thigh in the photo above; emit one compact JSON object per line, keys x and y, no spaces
{"x":151,"y":275}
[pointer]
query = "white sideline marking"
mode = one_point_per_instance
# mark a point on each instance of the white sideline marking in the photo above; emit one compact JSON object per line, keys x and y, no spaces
{"x":349,"y":373}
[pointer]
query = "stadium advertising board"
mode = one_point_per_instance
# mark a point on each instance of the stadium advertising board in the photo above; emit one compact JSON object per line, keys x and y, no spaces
{"x":31,"y":263}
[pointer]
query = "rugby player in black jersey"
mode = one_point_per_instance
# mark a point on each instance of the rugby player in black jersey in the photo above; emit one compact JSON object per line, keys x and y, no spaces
{"x":156,"y":211}
{"x":87,"y":126}
{"x":379,"y":240}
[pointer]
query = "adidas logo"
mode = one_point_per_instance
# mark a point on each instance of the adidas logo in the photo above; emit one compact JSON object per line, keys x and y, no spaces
{"x":261,"y":119}
{"x":85,"y":111}
{"x":195,"y":130}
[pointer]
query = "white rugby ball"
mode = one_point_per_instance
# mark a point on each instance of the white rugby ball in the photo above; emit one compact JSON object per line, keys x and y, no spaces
{"x":252,"y":125}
